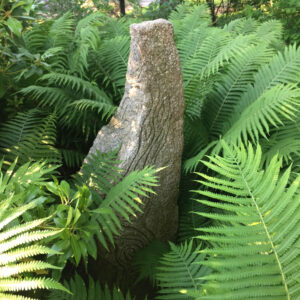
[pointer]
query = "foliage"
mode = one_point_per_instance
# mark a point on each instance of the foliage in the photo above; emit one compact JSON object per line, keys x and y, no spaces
{"x":287,"y":11}
{"x":92,"y":210}
{"x":241,"y":90}
{"x":180,"y":270}
{"x":19,"y":240}
{"x":92,"y":291}
{"x":147,"y":260}
{"x":80,"y":8}
{"x":69,"y":89}
{"x":256,"y":233}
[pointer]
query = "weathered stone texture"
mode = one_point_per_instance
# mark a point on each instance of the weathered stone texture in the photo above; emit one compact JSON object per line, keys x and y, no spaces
{"x":149,"y":127}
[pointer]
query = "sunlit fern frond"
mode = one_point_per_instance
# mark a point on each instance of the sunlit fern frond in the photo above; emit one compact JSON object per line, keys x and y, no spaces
{"x":228,"y":90}
{"x":257,"y":237}
{"x":272,"y":108}
{"x":18,"y":246}
{"x":27,"y":174}
{"x":283,"y":68}
{"x":200,"y":71}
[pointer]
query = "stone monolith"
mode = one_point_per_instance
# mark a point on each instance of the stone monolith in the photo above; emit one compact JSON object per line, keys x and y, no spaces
{"x":148,"y":128}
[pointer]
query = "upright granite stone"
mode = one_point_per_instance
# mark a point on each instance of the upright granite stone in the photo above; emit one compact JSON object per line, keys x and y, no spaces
{"x":148,"y":127}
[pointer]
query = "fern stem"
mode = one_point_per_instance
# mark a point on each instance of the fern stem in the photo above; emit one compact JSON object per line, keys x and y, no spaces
{"x":267,"y":233}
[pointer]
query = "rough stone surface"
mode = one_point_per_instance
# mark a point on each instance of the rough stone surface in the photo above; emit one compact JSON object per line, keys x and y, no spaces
{"x":149,"y":127}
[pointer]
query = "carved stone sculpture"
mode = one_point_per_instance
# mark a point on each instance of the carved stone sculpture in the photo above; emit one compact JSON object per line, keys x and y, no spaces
{"x":148,"y":127}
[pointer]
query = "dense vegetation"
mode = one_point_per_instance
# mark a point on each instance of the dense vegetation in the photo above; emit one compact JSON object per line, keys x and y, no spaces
{"x":62,"y":79}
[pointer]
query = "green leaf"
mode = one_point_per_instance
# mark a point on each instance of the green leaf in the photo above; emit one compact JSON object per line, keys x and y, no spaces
{"x":76,"y":249}
{"x":15,"y":26}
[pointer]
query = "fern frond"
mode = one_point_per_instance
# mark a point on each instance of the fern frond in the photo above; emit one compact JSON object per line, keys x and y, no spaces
{"x":87,"y":105}
{"x":123,"y":200}
{"x":269,"y":31}
{"x":124,"y":196}
{"x":31,"y":137}
{"x":25,"y":238}
{"x":94,"y":19}
{"x":271,"y":109}
{"x":115,"y":197}
{"x":11,"y":253}
{"x":189,"y":44}
{"x":87,"y":37}
{"x":61,"y":30}
{"x":26,"y":284}
{"x":35,"y":38}
{"x":29,"y":173}
{"x":228,"y":90}
{"x":14,"y":297}
{"x":179,"y":13}
{"x":192,"y":163}
{"x":199,"y":70}
{"x":14,"y":131}
{"x":99,"y":172}
{"x":51,"y":97}
{"x":77,"y":84}
{"x":257,"y":239}
{"x":90,"y":291}
{"x":112,"y":58}
{"x":21,"y":228}
{"x":284,"y":141}
{"x":147,"y":259}
{"x":31,"y":266}
{"x":72,"y":158}
{"x":196,"y":16}
{"x":114,"y":27}
{"x":242,"y":26}
{"x":284,"y":68}
{"x":24,"y":252}
{"x":179,"y":271}
{"x":61,"y":35}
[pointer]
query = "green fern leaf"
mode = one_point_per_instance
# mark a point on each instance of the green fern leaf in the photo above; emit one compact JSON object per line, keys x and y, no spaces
{"x":258,"y":233}
{"x":180,"y":271}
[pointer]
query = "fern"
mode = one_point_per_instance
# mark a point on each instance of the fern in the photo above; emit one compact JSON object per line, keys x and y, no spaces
{"x":30,"y":137}
{"x":180,"y":271}
{"x":147,"y":259}
{"x":92,"y":291}
{"x":283,"y":68}
{"x":242,"y":26}
{"x":272,"y":108}
{"x":284,"y":141}
{"x":115,"y":197}
{"x":87,"y":37}
{"x":257,"y":237}
{"x":231,"y":86}
{"x":15,"y":257}
{"x":111,"y":60}
{"x":186,"y":19}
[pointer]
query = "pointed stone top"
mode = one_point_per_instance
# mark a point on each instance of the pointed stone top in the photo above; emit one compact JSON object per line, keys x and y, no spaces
{"x":150,"y":26}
